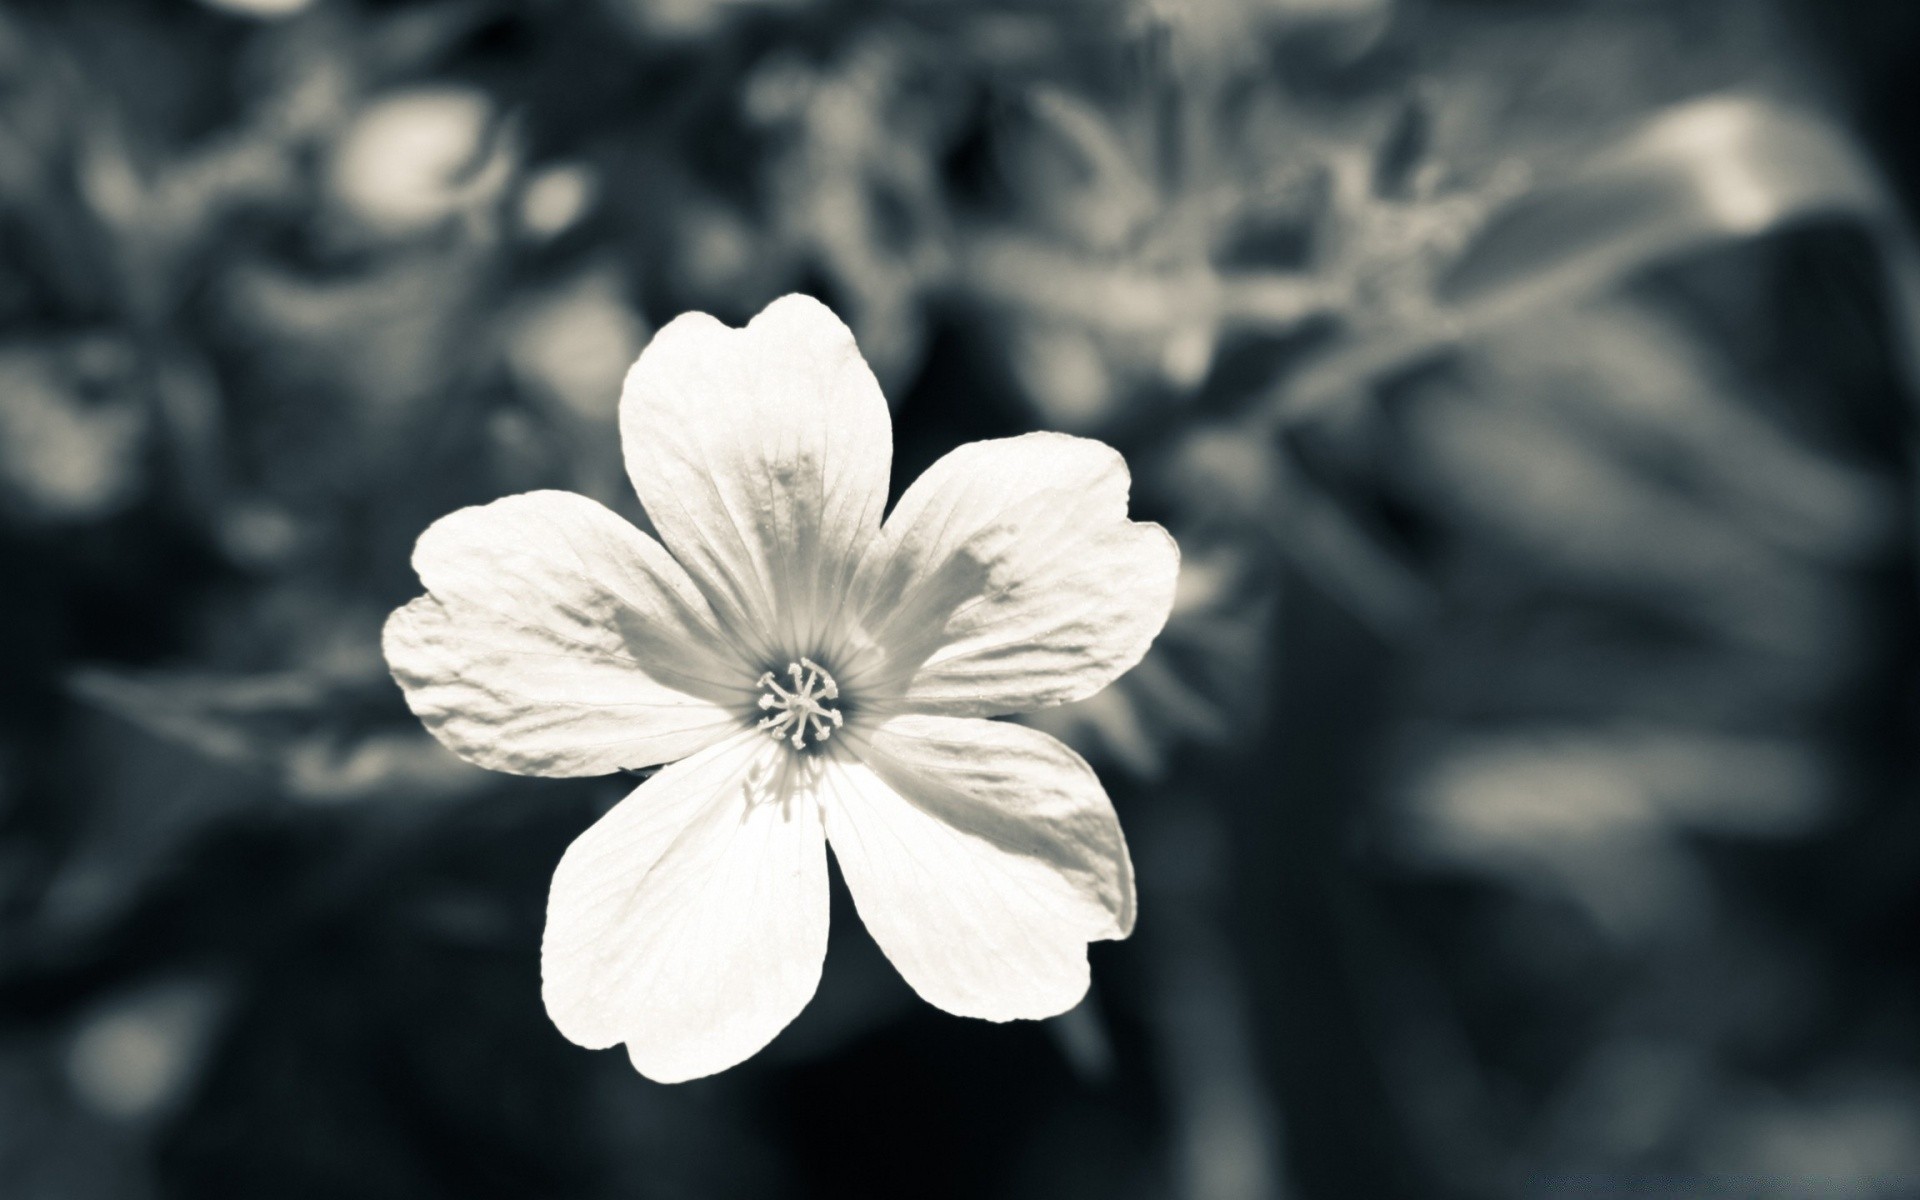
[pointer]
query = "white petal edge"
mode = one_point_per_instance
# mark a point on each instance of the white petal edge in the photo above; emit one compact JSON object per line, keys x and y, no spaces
{"x":762,"y":457}
{"x":982,"y":857}
{"x":1008,"y":578}
{"x":690,"y":921}
{"x":557,"y":639}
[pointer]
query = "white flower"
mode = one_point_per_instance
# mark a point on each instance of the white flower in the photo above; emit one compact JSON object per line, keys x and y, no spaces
{"x":813,"y":675}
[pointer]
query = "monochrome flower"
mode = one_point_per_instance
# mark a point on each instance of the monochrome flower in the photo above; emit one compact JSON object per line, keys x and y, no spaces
{"x":812,"y":675}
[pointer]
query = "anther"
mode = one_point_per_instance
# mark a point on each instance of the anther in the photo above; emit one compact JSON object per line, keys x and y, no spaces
{"x":801,"y":711}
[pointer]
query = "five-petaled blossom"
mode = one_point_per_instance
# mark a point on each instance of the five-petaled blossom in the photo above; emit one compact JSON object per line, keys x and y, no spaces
{"x":812,"y":675}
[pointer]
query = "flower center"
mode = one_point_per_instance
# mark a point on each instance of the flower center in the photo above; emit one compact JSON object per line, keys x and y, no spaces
{"x":802,"y":711}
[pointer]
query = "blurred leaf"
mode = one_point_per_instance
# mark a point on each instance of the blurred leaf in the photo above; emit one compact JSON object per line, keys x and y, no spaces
{"x":73,"y":430}
{"x":135,"y":1056}
{"x":854,"y":182}
{"x":413,"y":159}
{"x":308,"y":730}
{"x":1706,"y":173}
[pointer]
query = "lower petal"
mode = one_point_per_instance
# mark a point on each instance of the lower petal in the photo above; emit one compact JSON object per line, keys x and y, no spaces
{"x":983,"y":857}
{"x":690,"y":922}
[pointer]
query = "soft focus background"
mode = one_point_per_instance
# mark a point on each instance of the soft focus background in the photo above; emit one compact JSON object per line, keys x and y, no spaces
{"x":1523,"y":795}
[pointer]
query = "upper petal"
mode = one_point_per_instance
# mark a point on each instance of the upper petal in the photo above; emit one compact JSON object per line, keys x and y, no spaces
{"x":762,"y":457}
{"x":557,"y":639}
{"x":690,"y":922}
{"x":1009,"y":578}
{"x":983,"y":857}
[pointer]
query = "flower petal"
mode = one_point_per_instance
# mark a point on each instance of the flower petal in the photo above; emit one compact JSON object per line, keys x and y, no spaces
{"x":762,"y":457}
{"x":983,"y":858}
{"x":690,"y":922}
{"x":1009,"y":578}
{"x":557,"y":639}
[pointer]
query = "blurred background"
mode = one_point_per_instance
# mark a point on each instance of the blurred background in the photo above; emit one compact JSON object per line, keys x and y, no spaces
{"x":1523,"y":794}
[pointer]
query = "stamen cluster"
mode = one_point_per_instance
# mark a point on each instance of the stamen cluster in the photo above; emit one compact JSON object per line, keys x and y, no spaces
{"x":802,"y":711}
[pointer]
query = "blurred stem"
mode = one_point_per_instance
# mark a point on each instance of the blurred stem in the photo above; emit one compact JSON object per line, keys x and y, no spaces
{"x":1308,"y":932}
{"x":1348,"y":563}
